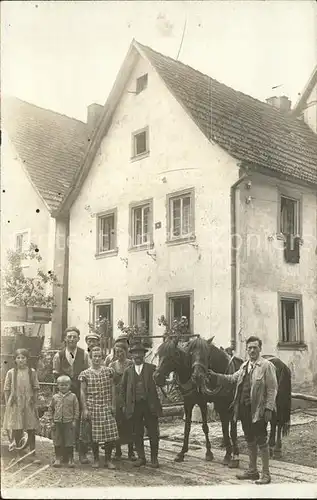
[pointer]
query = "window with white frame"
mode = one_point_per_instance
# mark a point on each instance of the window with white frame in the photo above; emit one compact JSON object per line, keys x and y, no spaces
{"x":22,"y":241}
{"x":180,"y":304}
{"x":141,"y":313}
{"x":289,"y":216}
{"x":140,"y":142}
{"x":181,"y":215}
{"x":291,"y":319}
{"x":106,"y":230}
{"x":141,"y":224}
{"x":103,"y":310}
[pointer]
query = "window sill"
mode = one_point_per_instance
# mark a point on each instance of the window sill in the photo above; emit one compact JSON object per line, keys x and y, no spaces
{"x":292,"y":346}
{"x":109,"y":253}
{"x":181,"y":241}
{"x":140,"y":156}
{"x":139,"y":248}
{"x":280,"y":236}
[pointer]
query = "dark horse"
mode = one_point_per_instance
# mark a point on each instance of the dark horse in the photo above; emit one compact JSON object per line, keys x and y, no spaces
{"x":173,"y":358}
{"x":219,"y":361}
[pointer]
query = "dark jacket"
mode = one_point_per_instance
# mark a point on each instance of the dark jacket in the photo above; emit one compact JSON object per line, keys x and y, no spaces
{"x":128,"y":390}
{"x":62,"y":367}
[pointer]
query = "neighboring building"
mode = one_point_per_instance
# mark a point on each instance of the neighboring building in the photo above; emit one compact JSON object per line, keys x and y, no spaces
{"x":179,"y":167}
{"x":41,"y":153}
{"x":306,"y":106}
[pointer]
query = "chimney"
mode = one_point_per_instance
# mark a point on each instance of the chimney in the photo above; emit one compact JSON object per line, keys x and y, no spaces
{"x":93,"y":114}
{"x":282,"y":102}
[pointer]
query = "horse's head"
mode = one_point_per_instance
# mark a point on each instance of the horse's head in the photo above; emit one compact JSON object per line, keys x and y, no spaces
{"x":168,"y":358}
{"x":199,"y":352}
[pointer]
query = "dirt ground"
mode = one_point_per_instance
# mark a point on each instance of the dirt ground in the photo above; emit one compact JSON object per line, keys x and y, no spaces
{"x":300,"y":447}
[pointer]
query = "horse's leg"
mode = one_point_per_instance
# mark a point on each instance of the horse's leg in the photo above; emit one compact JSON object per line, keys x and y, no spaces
{"x":188,"y":407}
{"x":234,"y":462}
{"x":225,"y":431}
{"x":278,"y":446}
{"x":272,"y":435}
{"x":203,"y":409}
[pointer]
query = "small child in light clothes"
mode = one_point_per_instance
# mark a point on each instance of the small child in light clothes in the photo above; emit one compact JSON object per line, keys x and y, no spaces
{"x":21,"y":388}
{"x":64,"y":414}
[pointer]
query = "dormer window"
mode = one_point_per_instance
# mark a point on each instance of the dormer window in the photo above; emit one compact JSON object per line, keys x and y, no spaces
{"x":141,"y":83}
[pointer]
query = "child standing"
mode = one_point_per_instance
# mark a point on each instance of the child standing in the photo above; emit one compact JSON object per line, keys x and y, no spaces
{"x":64,"y":413}
{"x":98,"y":424}
{"x":21,"y":388}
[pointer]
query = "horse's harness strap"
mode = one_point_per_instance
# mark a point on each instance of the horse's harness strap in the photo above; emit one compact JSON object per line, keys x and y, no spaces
{"x":187,"y":387}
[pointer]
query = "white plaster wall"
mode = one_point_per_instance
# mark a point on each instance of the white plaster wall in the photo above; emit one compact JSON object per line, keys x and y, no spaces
{"x":310,"y":113}
{"x":19,"y":202}
{"x":264,"y":273}
{"x":116,"y":181}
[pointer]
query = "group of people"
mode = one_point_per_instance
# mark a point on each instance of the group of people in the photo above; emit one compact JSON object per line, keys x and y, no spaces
{"x":98,"y":404}
{"x":107,"y":403}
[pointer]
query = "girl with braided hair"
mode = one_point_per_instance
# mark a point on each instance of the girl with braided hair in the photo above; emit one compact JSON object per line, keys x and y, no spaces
{"x":21,"y":388}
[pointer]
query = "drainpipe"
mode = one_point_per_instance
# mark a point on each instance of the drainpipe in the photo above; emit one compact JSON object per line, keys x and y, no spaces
{"x":234,"y":253}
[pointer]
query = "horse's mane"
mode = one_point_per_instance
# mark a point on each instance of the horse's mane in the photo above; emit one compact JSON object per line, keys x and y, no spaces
{"x":199,"y":344}
{"x":167,"y":348}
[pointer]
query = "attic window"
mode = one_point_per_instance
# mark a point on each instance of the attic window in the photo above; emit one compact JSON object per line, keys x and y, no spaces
{"x":141,"y":83}
{"x":140,"y":143}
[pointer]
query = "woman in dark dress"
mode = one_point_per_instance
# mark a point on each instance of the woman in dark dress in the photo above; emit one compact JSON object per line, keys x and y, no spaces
{"x":124,"y":426}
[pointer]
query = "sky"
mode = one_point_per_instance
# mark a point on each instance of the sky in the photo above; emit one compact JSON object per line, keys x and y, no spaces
{"x":65,"y":55}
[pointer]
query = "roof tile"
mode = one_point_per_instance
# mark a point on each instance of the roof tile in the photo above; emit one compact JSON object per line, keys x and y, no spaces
{"x":250,"y":130}
{"x":50,"y":145}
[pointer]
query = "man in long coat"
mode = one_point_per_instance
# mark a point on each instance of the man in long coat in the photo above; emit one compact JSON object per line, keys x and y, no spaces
{"x":141,"y":403}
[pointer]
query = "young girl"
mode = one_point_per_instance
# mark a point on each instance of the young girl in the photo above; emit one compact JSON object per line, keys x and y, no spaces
{"x":97,"y":392}
{"x":20,"y":391}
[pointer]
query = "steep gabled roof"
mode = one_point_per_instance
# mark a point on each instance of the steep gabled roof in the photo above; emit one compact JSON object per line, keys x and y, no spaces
{"x":248,"y":129}
{"x":302,"y":101}
{"x":50,"y":145}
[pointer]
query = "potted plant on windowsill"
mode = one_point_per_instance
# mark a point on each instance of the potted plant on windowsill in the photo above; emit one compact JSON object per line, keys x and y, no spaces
{"x":27,"y":302}
{"x":135,"y":331}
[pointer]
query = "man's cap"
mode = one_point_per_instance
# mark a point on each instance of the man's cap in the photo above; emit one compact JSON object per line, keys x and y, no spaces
{"x":137,"y":346}
{"x":92,"y":336}
{"x":121,"y":338}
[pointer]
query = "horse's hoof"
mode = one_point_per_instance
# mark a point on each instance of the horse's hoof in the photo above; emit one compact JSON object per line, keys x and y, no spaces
{"x":234,"y":464}
{"x":226,"y":460}
{"x":209,"y":456}
{"x":179,"y":458}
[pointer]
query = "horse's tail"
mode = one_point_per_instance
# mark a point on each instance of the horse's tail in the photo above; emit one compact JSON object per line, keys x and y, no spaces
{"x":286,"y":393}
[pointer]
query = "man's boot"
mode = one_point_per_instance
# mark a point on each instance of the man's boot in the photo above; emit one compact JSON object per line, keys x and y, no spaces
{"x":252,"y":472}
{"x":154,"y":454}
{"x":131,"y":454}
{"x":265,"y":457}
{"x":141,"y":454}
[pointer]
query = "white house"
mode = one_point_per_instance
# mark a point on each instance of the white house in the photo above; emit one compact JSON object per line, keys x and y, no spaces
{"x":41,"y":153}
{"x":306,"y":106}
{"x":195,"y":199}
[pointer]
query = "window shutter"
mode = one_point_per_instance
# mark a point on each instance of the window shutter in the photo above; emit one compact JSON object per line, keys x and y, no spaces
{"x":291,"y":249}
